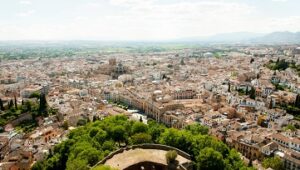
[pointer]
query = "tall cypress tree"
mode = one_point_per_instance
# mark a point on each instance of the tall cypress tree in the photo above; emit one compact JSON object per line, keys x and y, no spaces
{"x":258,"y":76}
{"x":182,"y":62}
{"x":10,"y":104}
{"x":297,"y":101}
{"x":247,"y":90}
{"x":271,"y":104}
{"x":16,"y":104}
{"x":43,"y":104}
{"x":252,"y":93}
{"x":1,"y":104}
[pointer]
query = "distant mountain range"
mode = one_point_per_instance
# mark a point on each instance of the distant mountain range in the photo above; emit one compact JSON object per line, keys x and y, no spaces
{"x":279,"y":37}
{"x":285,"y":37}
{"x":248,"y":37}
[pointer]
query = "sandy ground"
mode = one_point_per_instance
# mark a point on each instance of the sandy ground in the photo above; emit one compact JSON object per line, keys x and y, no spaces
{"x":131,"y":157}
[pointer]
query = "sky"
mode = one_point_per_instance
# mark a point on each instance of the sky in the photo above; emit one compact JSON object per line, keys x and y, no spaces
{"x":137,"y":20}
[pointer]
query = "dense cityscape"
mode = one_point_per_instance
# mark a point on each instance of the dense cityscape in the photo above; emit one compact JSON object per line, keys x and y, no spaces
{"x":246,"y":97}
{"x":150,"y":85}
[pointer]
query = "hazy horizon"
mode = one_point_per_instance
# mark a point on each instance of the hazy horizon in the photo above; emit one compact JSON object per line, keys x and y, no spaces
{"x":142,"y":20}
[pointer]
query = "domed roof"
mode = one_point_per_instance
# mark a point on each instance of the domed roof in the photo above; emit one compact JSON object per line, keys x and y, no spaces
{"x":167,"y":98}
{"x":208,"y":54}
{"x":157,"y":92}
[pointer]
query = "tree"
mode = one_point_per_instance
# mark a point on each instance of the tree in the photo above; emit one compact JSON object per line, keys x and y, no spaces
{"x":257,"y":76}
{"x":95,"y":118}
{"x":37,"y":166}
{"x":78,"y":164}
{"x":209,"y":159}
{"x":250,"y":163}
{"x":93,"y":131}
{"x":182,"y":62}
{"x":252,"y":93}
{"x":35,"y":95}
{"x":170,"y":137}
{"x":260,"y":120}
{"x":197,"y":129}
{"x":139,"y":127}
{"x":171,"y":156}
{"x":252,"y":60}
{"x":170,"y":66}
{"x":88,"y":144}
{"x":171,"y":160}
{"x":10,"y":104}
{"x":229,"y":86}
{"x":155,"y":130}
{"x":43,"y":104}
{"x":81,"y":122}
{"x":297,"y":101}
{"x":176,"y":138}
{"x":16,"y":104}
{"x":118,"y":133}
{"x":53,"y":162}
{"x":108,"y":145}
{"x":140,"y":138}
{"x":1,"y":105}
{"x":290,"y":127}
{"x":233,"y":160}
{"x":100,"y":136}
{"x":273,"y":162}
{"x":247,"y":90}
{"x":271,"y":104}
{"x":282,"y":65}
{"x":91,"y":154}
{"x":65,"y":125}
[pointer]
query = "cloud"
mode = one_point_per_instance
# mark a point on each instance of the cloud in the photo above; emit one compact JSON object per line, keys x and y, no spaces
{"x":80,"y":18}
{"x":26,"y":13}
{"x":25,"y":2}
{"x":131,"y":2}
{"x":182,"y":18}
{"x":279,"y":0}
{"x":147,"y":20}
{"x":291,"y":23}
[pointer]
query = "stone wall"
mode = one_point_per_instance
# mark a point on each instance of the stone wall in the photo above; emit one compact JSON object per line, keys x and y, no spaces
{"x":145,"y":146}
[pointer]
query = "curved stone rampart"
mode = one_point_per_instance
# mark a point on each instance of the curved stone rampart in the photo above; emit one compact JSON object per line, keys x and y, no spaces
{"x":145,"y":146}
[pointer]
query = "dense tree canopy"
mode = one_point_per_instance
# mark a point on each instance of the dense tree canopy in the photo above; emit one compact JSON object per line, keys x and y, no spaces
{"x":139,"y":127}
{"x":140,"y":138}
{"x":278,"y":65}
{"x":209,"y":159}
{"x":88,"y":144}
{"x":197,"y":129}
{"x":274,"y":163}
{"x":12,"y":110}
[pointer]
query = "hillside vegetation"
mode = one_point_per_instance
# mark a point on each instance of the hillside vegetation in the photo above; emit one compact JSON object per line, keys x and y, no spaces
{"x":90,"y":143}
